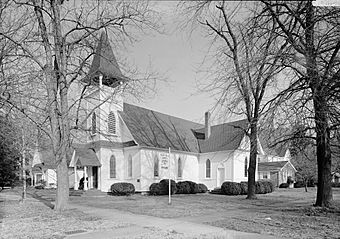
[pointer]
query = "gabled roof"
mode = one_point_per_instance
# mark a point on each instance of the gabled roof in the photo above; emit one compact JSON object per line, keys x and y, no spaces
{"x":271,"y":166}
{"x":85,"y":157}
{"x":154,"y":129}
{"x":227,"y":136}
{"x":104,"y":63}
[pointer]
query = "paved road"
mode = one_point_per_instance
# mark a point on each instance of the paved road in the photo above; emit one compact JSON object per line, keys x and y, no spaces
{"x":142,"y":226}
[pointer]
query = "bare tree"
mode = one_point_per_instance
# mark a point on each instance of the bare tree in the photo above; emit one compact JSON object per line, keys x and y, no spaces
{"x":247,"y":61}
{"x":55,"y":42}
{"x":313,"y":37}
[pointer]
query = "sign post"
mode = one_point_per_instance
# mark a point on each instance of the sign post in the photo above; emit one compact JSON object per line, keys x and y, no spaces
{"x":169,"y":180}
{"x":165,"y":165}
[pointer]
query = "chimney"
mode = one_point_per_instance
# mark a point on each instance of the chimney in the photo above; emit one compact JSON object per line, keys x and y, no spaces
{"x":207,"y":129}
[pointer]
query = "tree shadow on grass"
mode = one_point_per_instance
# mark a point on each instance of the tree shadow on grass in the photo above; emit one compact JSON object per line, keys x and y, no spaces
{"x":40,"y":198}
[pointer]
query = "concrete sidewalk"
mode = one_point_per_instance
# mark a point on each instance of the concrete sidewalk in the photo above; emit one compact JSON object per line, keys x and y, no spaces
{"x":142,"y":226}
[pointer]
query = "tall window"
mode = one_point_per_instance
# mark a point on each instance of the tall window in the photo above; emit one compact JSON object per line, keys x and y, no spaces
{"x":156,"y":167}
{"x":130,"y":166}
{"x":207,"y":168}
{"x":246,"y":167}
{"x":112,"y":123}
{"x":112,"y":167}
{"x":179,"y":173}
{"x":94,"y":123}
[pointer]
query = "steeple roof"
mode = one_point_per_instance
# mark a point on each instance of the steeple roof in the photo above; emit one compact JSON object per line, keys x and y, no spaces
{"x":104,"y":63}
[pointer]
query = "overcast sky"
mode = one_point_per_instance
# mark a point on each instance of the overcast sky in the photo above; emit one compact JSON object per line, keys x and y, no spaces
{"x":178,"y":56}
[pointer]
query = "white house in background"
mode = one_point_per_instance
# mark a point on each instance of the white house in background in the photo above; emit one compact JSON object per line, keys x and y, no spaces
{"x":276,"y":165}
{"x":125,"y":142}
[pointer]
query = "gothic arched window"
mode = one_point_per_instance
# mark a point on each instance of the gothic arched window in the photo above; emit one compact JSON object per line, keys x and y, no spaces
{"x":130,"y":166}
{"x":156,"y":167}
{"x":207,"y":169}
{"x":113,"y":167}
{"x":179,"y":172}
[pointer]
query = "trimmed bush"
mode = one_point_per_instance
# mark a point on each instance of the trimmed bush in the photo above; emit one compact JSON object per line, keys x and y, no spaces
{"x":122,"y":189}
{"x":183,"y":188}
{"x":290,"y":180}
{"x":335,"y":185}
{"x":299,"y":184}
{"x":267,"y":185}
{"x":162,"y":188}
{"x":231,"y":188}
{"x":244,"y":188}
{"x":202,"y":188}
{"x":284,"y":185}
{"x":259,"y":188}
{"x":187,"y":187}
{"x":154,"y":189}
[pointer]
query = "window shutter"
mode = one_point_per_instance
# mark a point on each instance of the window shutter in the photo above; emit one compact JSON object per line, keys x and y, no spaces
{"x":112,"y":167}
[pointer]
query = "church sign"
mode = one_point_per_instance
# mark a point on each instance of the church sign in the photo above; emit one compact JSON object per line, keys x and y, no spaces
{"x":164,"y":160}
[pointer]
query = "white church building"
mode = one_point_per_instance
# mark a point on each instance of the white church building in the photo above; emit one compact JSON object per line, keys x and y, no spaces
{"x":126,"y":143}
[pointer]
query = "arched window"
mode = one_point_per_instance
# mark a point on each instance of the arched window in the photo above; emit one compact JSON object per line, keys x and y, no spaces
{"x":111,"y":124}
{"x":179,"y":172}
{"x":246,"y":167}
{"x":94,"y":123}
{"x":112,"y":167}
{"x":207,"y":168}
{"x":130,"y":166}
{"x":156,"y":167}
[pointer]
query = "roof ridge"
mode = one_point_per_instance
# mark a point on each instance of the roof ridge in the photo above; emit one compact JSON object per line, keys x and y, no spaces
{"x":157,"y":112}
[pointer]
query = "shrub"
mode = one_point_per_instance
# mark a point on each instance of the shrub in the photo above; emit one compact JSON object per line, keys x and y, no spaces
{"x":155,"y":189}
{"x":122,"y":189}
{"x":299,"y":184}
{"x":231,"y":188}
{"x":290,"y":180}
{"x":259,"y":187}
{"x":183,"y":188}
{"x":162,"y":188}
{"x":244,"y":188}
{"x":268,"y":186}
{"x":284,"y":185}
{"x":335,"y":185}
{"x":202,"y":188}
{"x":187,"y":187}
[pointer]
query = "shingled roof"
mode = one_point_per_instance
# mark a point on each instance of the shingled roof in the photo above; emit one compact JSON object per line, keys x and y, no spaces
{"x":104,"y":63}
{"x":271,"y":166}
{"x":227,"y":136}
{"x":154,"y":129}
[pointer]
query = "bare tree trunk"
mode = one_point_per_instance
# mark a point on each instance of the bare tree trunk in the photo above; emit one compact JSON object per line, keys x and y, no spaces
{"x":252,"y":161}
{"x":323,"y":151}
{"x":324,"y":195}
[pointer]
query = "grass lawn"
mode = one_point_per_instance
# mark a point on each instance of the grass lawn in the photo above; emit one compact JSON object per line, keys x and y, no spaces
{"x":285,"y":212}
{"x":34,"y":219}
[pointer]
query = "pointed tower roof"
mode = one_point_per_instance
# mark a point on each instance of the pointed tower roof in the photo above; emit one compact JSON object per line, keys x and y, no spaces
{"x":104,"y":63}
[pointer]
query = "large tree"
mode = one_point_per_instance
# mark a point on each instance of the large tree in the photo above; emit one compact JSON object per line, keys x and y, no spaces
{"x":313,"y":37}
{"x":55,"y":41}
{"x":247,"y":53}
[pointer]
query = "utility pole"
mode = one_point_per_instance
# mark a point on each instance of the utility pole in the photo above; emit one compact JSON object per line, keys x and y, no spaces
{"x":23,"y":167}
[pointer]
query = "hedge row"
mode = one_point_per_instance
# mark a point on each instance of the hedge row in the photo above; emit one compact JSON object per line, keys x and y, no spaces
{"x":183,"y":187}
{"x":233,"y":188}
{"x":122,"y":189}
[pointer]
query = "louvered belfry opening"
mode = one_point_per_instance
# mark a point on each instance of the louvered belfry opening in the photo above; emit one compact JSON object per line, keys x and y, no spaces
{"x":112,"y":129}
